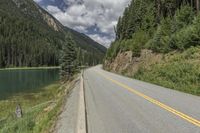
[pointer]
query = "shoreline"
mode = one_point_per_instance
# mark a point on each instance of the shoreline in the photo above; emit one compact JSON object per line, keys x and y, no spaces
{"x":30,"y":68}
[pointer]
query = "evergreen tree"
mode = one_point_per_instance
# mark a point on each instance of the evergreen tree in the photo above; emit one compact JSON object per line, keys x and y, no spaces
{"x":28,"y":39}
{"x":119,"y":29}
{"x":160,"y":25}
{"x":68,"y":59}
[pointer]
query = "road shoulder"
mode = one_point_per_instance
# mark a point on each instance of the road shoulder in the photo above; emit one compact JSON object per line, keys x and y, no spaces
{"x":72,"y":119}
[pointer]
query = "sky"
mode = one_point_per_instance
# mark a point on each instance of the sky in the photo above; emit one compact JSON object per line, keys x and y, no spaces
{"x":95,"y":18}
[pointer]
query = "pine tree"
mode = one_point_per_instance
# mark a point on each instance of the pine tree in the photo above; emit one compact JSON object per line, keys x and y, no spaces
{"x":124,"y":23}
{"x":68,"y":59}
{"x":119,"y":29}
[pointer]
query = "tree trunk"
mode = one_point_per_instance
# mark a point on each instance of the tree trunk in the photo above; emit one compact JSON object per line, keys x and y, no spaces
{"x":191,"y":3}
{"x":158,"y":10}
{"x":197,"y":5}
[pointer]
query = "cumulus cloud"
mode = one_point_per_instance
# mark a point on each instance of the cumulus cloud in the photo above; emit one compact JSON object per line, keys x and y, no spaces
{"x":53,"y":9}
{"x":37,"y":1}
{"x":100,"y":14}
{"x":105,"y":40}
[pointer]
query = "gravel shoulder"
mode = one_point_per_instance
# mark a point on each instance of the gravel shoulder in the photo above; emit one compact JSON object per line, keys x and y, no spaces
{"x":67,"y":120}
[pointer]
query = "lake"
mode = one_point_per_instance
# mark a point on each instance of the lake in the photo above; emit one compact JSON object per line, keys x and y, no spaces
{"x":17,"y":81}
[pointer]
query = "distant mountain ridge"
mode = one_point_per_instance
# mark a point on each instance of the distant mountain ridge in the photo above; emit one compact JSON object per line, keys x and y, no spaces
{"x":30,"y":36}
{"x":83,"y":40}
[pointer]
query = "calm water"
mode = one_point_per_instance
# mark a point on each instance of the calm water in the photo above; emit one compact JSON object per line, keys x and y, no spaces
{"x":15,"y":81}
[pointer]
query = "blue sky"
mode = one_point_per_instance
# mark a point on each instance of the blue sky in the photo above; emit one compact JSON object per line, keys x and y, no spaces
{"x":95,"y":18}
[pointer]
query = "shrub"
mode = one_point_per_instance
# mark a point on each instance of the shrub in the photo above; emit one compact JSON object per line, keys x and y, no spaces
{"x":187,"y":37}
{"x":177,"y":72}
{"x":183,"y":17}
{"x":113,"y":50}
{"x":171,"y":33}
{"x":138,"y":42}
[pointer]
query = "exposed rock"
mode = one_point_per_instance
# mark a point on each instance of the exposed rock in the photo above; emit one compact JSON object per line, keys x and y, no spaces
{"x":22,"y":4}
{"x":50,"y":21}
{"x":125,"y":63}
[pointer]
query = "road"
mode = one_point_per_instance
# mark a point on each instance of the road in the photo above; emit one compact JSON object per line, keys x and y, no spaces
{"x":116,"y":104}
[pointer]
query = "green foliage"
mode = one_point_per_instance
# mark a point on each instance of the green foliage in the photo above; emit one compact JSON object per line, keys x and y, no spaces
{"x":187,"y":36}
{"x":155,"y":44}
{"x":135,"y":44}
{"x":172,"y":30}
{"x":136,"y":16}
{"x":93,"y":53}
{"x":21,"y":37}
{"x":68,"y":59}
{"x":179,"y":71}
{"x":39,"y":110}
{"x":133,"y":29}
{"x":113,"y":50}
{"x":137,"y":29}
{"x":183,"y":17}
{"x":27,"y":38}
{"x":161,"y":38}
{"x":165,"y":27}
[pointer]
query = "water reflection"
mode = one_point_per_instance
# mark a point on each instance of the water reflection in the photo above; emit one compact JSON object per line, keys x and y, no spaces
{"x":15,"y":81}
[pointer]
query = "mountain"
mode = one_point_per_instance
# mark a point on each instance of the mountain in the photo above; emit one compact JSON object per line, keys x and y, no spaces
{"x":81,"y":39}
{"x":95,"y":51}
{"x":30,"y":36}
{"x":159,"y":42}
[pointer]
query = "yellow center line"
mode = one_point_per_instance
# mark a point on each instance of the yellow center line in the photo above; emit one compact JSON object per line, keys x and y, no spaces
{"x":162,"y":105}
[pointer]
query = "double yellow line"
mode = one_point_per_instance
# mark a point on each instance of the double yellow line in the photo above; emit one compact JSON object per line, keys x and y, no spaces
{"x":170,"y":109}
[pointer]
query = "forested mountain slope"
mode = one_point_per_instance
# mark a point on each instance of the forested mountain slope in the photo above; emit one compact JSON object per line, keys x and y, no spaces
{"x":158,"y":41}
{"x":29,"y":36}
{"x":90,"y":51}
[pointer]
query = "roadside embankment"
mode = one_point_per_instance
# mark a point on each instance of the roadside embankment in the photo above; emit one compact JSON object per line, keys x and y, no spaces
{"x":176,"y":70}
{"x":73,"y":116}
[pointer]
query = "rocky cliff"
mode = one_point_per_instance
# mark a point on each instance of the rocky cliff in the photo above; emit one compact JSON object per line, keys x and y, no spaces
{"x":126,"y":64}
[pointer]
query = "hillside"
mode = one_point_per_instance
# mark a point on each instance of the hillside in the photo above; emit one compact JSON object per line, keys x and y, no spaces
{"x":29,"y":36}
{"x":158,"y":42}
{"x":93,"y":51}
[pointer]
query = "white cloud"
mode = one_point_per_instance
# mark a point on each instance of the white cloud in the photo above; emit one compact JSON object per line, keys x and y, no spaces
{"x":53,"y":9}
{"x":37,"y":1}
{"x":106,"y":41}
{"x":82,"y":14}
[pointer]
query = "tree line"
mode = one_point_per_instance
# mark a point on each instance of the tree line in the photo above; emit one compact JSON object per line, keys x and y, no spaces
{"x":159,"y":25}
{"x":26,"y":40}
{"x":133,"y":17}
{"x":26,"y":43}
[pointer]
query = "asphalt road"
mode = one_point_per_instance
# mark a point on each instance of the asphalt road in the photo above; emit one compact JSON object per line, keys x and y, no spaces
{"x":116,"y":104}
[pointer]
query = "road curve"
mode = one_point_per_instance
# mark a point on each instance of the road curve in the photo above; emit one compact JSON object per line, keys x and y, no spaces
{"x":116,"y":104}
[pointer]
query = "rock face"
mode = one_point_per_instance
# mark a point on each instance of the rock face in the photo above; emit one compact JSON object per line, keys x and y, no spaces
{"x":50,"y":21}
{"x":30,"y":8}
{"x":126,"y":64}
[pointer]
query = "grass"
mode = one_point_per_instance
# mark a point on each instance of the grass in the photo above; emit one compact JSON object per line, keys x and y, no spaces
{"x":30,"y":68}
{"x":40,"y":110}
{"x":179,"y":71}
